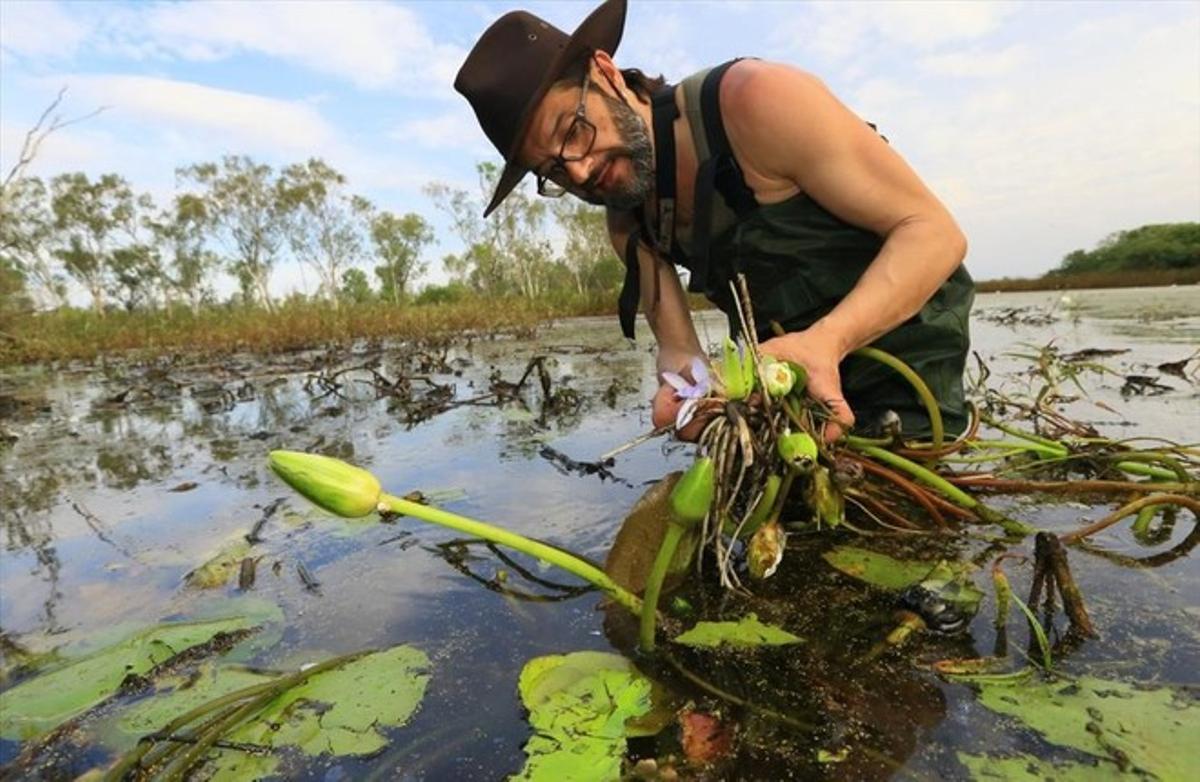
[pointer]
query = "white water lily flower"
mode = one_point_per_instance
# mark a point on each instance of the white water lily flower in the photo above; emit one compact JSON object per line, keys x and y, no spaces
{"x":780,"y":378}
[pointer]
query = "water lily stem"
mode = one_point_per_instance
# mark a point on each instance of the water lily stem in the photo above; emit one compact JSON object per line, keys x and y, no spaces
{"x":555,"y":556}
{"x":658,"y":573}
{"x":937,"y":430}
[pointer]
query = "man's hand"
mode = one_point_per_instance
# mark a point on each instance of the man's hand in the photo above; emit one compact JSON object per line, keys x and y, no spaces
{"x":819,"y":354}
{"x":665,"y":408}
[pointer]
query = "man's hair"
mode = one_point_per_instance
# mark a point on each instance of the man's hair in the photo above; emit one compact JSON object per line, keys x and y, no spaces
{"x":638,"y":80}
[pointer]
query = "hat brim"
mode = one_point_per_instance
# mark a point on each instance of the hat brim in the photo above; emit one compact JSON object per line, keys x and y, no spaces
{"x":601,"y":30}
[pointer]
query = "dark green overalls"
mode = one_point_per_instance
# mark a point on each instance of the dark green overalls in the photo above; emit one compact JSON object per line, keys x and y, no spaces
{"x":799,"y":261}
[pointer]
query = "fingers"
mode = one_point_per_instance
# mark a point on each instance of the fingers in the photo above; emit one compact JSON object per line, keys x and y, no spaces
{"x":664,"y":407}
{"x":841,"y":419}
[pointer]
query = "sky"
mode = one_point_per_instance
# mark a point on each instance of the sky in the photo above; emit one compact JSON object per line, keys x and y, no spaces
{"x":1043,"y":126}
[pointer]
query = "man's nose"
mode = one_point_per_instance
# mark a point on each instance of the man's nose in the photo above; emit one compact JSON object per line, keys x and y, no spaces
{"x":580,"y":170}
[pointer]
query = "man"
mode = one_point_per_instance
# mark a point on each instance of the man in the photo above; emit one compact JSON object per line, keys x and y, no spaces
{"x":751,"y":168}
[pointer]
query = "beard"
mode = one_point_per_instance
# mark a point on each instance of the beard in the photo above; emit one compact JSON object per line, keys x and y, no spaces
{"x":637,"y":149}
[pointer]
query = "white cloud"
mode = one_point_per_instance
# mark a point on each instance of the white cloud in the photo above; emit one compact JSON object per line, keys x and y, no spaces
{"x":373,"y":45}
{"x":456,"y":129}
{"x":241,"y":119}
{"x":40,"y":30}
{"x":977,"y":62}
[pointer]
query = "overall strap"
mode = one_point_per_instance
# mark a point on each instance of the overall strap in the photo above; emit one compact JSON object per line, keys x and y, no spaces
{"x":627,"y":302}
{"x":718,"y":172}
{"x":665,"y":112}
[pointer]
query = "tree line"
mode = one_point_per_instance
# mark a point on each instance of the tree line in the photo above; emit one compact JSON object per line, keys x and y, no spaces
{"x":1161,"y":246}
{"x":243,"y":218}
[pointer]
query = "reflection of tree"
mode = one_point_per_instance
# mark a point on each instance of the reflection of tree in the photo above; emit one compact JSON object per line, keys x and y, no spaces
{"x":27,"y":526}
{"x":133,"y":462}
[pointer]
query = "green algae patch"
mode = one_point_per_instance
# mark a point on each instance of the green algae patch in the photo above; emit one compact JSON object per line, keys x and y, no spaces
{"x":220,"y":567}
{"x":38,"y":705}
{"x":746,"y":632}
{"x":1026,"y":768}
{"x":1152,"y":730}
{"x":582,"y":707}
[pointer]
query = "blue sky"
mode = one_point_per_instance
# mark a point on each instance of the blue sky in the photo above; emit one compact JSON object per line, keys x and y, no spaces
{"x":1044,"y":126}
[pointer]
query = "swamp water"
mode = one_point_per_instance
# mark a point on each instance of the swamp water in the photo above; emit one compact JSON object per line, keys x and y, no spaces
{"x":117,"y":483}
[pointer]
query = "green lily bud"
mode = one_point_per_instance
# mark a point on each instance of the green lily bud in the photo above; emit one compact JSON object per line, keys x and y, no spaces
{"x":780,"y":378}
{"x":827,"y":502}
{"x":801,"y":375}
{"x":761,"y":511}
{"x":797,"y":449}
{"x":334,"y":485}
{"x":693,"y":494}
{"x":765,"y":551}
{"x":737,"y":372}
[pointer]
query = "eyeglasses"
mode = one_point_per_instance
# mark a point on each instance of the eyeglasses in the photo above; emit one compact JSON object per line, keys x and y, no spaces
{"x":554,"y":181}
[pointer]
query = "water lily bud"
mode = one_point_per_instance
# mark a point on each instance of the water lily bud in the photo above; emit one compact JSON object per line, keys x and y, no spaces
{"x":798,"y":449}
{"x":780,"y":378}
{"x":693,"y":494}
{"x":765,"y":551}
{"x":737,"y":372}
{"x":334,"y":485}
{"x":761,"y":511}
{"x":827,"y":502}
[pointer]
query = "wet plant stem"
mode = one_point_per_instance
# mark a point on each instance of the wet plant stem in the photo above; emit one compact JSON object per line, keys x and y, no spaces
{"x":658,"y":573}
{"x":1149,"y":470}
{"x":1039,"y":633}
{"x":555,"y":556}
{"x":988,"y":482}
{"x":1050,"y":445}
{"x":935,"y":481}
{"x":1136,"y":506}
{"x":927,"y":398}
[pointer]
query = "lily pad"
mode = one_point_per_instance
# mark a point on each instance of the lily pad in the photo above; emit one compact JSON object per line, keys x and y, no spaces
{"x":341,"y":711}
{"x":877,"y":569}
{"x":747,"y":631}
{"x":35,"y":706}
{"x":1153,"y":729}
{"x":220,"y":567}
{"x":582,"y":707}
{"x":1026,"y":768}
{"x":637,"y":542}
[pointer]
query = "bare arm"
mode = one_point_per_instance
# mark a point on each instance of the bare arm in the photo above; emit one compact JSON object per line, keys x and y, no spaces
{"x":666,"y":308}
{"x":791,"y":134}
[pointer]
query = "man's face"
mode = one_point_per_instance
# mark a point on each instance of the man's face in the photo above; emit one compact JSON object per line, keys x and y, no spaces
{"x":618,"y":167}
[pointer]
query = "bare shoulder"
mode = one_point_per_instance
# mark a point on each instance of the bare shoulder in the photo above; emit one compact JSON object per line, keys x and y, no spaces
{"x":776,"y":115}
{"x":621,"y":224}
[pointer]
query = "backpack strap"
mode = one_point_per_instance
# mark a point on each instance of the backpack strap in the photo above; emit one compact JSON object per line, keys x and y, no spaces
{"x":627,"y":302}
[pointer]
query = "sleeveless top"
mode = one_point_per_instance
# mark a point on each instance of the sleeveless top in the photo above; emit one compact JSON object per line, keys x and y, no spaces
{"x":799,"y":261}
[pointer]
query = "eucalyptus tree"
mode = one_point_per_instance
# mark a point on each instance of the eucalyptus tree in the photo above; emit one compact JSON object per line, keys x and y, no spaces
{"x":398,"y":243}
{"x":587,"y":253}
{"x":26,"y":232}
{"x":326,"y":226}
{"x":356,"y":287}
{"x":181,"y":233}
{"x":506,"y":253}
{"x":243,"y":201}
{"x":90,"y":218}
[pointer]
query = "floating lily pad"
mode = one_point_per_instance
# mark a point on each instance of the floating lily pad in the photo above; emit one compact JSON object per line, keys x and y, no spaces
{"x":220,"y":567}
{"x":877,"y":569}
{"x":641,"y":534}
{"x":582,"y":707}
{"x":341,"y":711}
{"x":35,"y":706}
{"x":747,"y":631}
{"x":1026,"y":768}
{"x":1153,"y":730}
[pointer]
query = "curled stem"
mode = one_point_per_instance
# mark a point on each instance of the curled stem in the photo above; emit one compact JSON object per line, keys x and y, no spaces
{"x":1129,"y":509}
{"x":555,"y":556}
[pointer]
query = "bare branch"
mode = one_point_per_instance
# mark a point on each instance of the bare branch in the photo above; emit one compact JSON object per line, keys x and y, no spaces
{"x":38,"y":133}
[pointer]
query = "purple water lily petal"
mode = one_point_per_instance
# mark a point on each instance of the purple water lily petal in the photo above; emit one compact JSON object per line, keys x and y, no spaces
{"x":693,"y":390}
{"x":676,"y":381}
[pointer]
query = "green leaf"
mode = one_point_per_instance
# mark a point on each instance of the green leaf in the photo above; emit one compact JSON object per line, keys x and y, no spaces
{"x":877,"y":569}
{"x":35,"y":706}
{"x":747,"y":631}
{"x":221,"y":566}
{"x":341,"y":711}
{"x":1026,"y":768}
{"x":582,"y":707}
{"x":1155,"y":728}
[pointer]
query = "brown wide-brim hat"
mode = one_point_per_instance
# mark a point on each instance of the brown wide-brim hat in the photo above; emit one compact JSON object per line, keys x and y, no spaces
{"x":513,"y":65}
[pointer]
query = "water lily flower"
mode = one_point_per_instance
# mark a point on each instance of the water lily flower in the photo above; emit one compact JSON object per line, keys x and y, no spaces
{"x":765,"y":550}
{"x":780,"y":378}
{"x":690,"y":393}
{"x":737,"y":371}
{"x":334,"y":485}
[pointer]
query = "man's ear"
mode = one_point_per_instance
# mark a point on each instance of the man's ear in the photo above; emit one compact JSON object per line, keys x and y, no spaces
{"x":603,"y":62}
